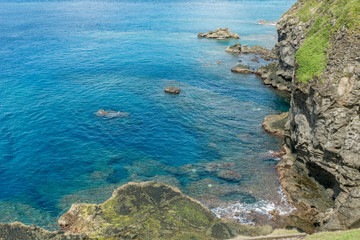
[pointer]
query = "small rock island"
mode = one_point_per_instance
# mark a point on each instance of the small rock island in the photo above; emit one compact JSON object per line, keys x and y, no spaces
{"x":220,"y":33}
{"x":172,"y":90}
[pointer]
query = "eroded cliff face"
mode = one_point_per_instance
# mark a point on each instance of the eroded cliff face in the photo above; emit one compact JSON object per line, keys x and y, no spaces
{"x":319,"y":50}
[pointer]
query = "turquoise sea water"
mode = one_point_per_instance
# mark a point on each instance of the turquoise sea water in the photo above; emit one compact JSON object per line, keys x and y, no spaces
{"x":62,"y":61}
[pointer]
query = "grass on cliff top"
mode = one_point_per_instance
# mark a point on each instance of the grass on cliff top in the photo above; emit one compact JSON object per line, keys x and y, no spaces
{"x":312,"y":55}
{"x":342,"y":235}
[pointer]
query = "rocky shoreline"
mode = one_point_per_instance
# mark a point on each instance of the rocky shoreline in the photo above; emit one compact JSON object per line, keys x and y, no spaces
{"x":319,"y":169}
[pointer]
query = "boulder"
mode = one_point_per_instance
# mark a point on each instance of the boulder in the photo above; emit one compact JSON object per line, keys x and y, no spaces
{"x":240,"y":68}
{"x":220,"y":33}
{"x":172,"y":90}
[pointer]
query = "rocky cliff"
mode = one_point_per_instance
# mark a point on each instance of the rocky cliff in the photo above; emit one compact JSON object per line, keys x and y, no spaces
{"x":319,"y":52}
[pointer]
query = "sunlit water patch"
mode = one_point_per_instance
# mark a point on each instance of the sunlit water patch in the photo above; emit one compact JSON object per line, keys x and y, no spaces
{"x":61,"y":62}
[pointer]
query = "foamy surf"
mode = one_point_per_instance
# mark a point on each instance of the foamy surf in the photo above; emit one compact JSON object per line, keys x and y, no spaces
{"x":246,"y":213}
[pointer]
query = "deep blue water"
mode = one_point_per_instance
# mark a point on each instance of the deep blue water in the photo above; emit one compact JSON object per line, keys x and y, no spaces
{"x":62,"y":61}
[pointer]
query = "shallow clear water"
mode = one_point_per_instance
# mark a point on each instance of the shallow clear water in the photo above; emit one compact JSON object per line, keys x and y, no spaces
{"x":62,"y":61}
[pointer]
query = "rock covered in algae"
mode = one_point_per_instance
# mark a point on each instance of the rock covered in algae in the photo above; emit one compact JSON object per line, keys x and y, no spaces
{"x":17,"y":231}
{"x":151,"y":210}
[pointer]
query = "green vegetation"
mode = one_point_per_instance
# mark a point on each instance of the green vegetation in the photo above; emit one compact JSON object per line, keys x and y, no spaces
{"x":342,"y":235}
{"x":327,"y":17}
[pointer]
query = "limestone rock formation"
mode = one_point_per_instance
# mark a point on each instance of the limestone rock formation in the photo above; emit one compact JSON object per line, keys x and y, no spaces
{"x":319,"y":50}
{"x":220,"y":33}
{"x":151,"y":210}
{"x":240,"y":68}
{"x":172,"y":90}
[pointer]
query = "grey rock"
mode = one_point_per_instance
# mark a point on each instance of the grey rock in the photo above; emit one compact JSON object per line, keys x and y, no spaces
{"x":172,"y":90}
{"x":220,"y":33}
{"x":323,"y":130}
{"x":240,"y":68}
{"x":234,"y":49}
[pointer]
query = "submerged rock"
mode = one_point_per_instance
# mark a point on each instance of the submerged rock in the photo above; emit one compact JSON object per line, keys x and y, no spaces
{"x":229,"y":175}
{"x":240,"y":68}
{"x":220,"y":33}
{"x":172,"y":90}
{"x":111,"y":114}
{"x":152,"y":210}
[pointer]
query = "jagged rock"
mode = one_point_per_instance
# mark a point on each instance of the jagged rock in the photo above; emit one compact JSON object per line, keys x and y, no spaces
{"x":220,"y":33}
{"x":172,"y":90}
{"x":234,"y":49}
{"x":240,"y":68}
{"x":263,"y":52}
{"x":290,"y":38}
{"x":270,"y":78}
{"x":17,"y":231}
{"x":151,"y":210}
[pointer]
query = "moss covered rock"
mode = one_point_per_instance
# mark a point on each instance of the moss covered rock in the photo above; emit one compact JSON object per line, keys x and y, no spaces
{"x":151,"y":210}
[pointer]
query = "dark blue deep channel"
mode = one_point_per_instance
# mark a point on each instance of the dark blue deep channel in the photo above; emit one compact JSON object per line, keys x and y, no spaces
{"x":62,"y":61}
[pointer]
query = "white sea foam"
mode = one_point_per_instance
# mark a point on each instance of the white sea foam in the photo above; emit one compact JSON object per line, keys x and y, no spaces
{"x":242,"y":211}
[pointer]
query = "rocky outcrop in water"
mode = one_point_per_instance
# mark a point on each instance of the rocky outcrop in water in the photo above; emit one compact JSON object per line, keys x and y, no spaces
{"x":240,"y":68}
{"x":264,"y":53}
{"x":151,"y":210}
{"x":111,"y":114}
{"x":172,"y":90}
{"x":258,"y":50}
{"x":234,"y":49}
{"x":319,"y":51}
{"x":220,"y":33}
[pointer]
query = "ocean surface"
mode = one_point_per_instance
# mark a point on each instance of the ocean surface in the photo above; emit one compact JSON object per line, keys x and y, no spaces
{"x":62,"y":61}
